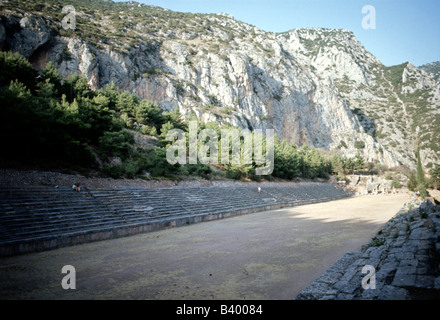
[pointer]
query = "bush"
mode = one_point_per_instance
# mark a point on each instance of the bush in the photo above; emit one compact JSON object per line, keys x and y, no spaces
{"x":158,"y":164}
{"x":13,"y":67}
{"x":117,"y":144}
{"x":421,"y":188}
{"x":128,"y":169}
{"x":396,"y":184}
{"x":198,"y":170}
{"x":233,"y":172}
{"x":81,"y":154}
{"x":412,"y":182}
{"x":420,"y":173}
{"x":435,"y":177}
{"x":113,"y":171}
{"x":359,"y":144}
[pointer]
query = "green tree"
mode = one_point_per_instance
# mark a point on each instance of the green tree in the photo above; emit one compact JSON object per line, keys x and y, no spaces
{"x":412,"y":182}
{"x":111,"y":92}
{"x":359,"y":144}
{"x":421,"y":183}
{"x":164,"y":130}
{"x":358,"y":163}
{"x":94,"y":119}
{"x":76,"y":86}
{"x":148,"y":113}
{"x":159,"y":165}
{"x":175,"y":117}
{"x":286,"y":160}
{"x":47,"y":89}
{"x":51,"y":74}
{"x":127,"y":103}
{"x":420,"y":173}
{"x":116,"y":144}
{"x":13,"y":67}
{"x":313,"y":164}
{"x":17,"y":120}
{"x":421,"y":188}
{"x":435,"y":177}
{"x":338,"y":164}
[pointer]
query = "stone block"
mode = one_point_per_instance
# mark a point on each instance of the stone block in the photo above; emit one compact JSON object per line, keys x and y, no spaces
{"x":421,"y":234}
{"x":437,"y":283}
{"x":422,"y":270}
{"x":424,"y":281}
{"x":405,"y":255}
{"x":345,"y":296}
{"x":347,"y":286}
{"x":332,"y":292}
{"x":350,"y":273}
{"x":313,"y":292}
{"x":330,"y":277}
{"x":404,"y":280}
{"x":370,"y":294}
{"x":393,"y":293}
{"x":416,"y":224}
{"x":408,"y":263}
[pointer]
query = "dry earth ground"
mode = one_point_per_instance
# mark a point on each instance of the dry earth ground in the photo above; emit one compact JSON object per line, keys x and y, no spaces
{"x":266,"y":255}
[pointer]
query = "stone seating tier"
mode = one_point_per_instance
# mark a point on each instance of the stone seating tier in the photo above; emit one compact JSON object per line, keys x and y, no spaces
{"x":42,"y":218}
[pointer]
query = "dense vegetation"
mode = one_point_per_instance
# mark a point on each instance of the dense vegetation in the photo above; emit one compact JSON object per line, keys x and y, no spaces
{"x":417,"y":181}
{"x":88,"y":140}
{"x":53,"y":123}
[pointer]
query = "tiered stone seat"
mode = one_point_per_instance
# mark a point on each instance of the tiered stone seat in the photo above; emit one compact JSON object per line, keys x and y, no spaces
{"x":40,"y":218}
{"x":30,"y":216}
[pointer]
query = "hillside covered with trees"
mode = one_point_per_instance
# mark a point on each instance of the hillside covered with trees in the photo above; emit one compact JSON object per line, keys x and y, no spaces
{"x":55,"y":124}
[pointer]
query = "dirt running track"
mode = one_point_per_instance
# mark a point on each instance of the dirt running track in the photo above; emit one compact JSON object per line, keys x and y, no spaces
{"x":266,"y":255}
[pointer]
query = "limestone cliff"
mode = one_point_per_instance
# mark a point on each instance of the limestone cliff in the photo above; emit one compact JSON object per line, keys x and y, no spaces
{"x":314,"y":86}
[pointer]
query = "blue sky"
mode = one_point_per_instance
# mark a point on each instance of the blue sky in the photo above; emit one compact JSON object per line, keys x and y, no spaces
{"x":406,"y":30}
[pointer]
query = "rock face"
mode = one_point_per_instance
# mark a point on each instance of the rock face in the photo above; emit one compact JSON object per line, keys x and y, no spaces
{"x":432,"y":68}
{"x":314,"y":86}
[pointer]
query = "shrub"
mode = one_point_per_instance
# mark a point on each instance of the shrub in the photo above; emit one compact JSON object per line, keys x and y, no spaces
{"x":81,"y":154}
{"x":13,"y":66}
{"x":396,"y":184}
{"x":412,"y":182}
{"x":420,"y":173}
{"x":158,"y":164}
{"x":113,"y":171}
{"x":233,"y":172}
{"x":198,"y":170}
{"x":116,"y":144}
{"x":435,"y":177}
{"x":359,"y":144}
{"x":421,"y":188}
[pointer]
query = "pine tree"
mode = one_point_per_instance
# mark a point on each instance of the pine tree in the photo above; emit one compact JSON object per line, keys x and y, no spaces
{"x":412,"y":182}
{"x":435,"y":177}
{"x":13,"y":67}
{"x":421,"y":184}
{"x":51,"y":74}
{"x":420,"y":173}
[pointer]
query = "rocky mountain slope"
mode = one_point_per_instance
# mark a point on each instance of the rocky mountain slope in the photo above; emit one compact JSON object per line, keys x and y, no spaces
{"x":314,"y":86}
{"x":432,"y":68}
